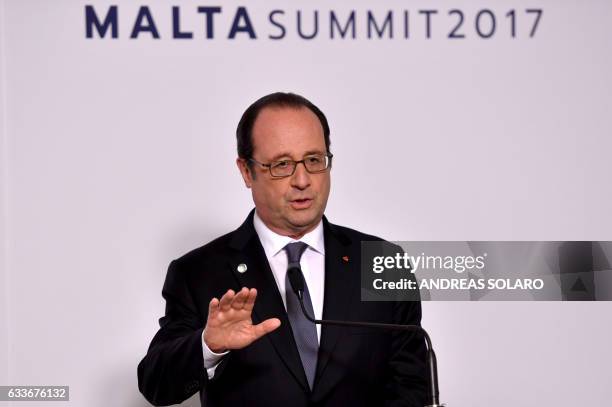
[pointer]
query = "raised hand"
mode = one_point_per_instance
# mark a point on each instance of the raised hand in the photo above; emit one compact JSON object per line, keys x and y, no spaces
{"x":229,"y":325}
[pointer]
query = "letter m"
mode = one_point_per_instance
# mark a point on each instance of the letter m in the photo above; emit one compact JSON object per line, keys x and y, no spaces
{"x":380,"y":31}
{"x":92,"y":20}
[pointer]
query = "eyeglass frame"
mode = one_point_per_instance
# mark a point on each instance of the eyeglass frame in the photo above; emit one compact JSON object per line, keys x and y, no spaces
{"x":296,"y":162}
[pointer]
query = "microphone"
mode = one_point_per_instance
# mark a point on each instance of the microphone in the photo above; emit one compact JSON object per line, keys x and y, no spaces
{"x":296,"y":279}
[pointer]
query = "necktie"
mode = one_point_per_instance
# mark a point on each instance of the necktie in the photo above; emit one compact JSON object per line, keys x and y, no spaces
{"x":304,"y":331}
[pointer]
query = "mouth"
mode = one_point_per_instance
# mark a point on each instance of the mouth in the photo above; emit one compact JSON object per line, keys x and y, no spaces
{"x":304,"y":203}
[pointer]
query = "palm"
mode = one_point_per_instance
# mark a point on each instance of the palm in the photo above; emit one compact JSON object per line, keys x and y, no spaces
{"x":229,"y":324}
{"x":235,"y":327}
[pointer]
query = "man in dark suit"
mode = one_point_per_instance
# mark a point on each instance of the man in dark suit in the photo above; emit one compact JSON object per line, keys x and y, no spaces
{"x":233,"y":329}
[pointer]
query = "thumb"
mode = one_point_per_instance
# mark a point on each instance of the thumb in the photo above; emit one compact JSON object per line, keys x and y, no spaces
{"x":266,"y":327}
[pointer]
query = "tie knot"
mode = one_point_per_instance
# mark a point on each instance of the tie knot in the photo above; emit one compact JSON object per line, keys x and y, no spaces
{"x":295,"y":251}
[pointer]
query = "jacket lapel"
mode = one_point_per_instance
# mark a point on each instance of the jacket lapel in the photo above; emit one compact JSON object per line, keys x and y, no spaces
{"x":269,"y":304}
{"x":341,"y":285}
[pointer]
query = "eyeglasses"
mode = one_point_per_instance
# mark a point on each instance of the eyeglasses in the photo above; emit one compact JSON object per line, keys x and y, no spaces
{"x":314,"y":164}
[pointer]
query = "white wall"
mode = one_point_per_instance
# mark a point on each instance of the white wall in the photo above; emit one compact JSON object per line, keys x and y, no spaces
{"x":120,"y":157}
{"x":4,"y":288}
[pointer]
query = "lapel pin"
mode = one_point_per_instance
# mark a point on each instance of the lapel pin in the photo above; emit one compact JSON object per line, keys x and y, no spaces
{"x":241,"y":268}
{"x":345,"y":259}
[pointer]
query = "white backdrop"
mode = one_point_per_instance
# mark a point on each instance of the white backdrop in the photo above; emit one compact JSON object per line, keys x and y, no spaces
{"x":118,"y":156}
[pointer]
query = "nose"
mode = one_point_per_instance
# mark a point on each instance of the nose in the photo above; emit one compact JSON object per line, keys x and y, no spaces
{"x":300,"y":178}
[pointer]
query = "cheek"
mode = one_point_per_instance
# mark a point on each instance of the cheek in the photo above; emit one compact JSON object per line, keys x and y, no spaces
{"x":259,"y":196}
{"x":324,"y":188}
{"x":272,"y":196}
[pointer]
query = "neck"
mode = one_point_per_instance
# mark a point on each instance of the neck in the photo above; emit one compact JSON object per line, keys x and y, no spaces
{"x":295,"y":233}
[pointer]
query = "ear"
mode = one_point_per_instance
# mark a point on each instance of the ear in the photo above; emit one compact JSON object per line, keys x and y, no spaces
{"x":245,"y":171}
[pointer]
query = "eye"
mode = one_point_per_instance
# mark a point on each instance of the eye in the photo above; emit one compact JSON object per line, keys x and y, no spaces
{"x":314,"y":159}
{"x":281,"y":164}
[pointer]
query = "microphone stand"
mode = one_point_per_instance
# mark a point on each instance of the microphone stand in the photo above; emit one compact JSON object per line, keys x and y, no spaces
{"x":296,"y":279}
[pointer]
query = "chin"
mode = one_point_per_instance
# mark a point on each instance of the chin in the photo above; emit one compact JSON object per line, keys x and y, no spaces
{"x":305,"y":220}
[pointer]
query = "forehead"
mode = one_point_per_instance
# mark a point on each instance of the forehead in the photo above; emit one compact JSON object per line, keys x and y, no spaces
{"x":289,"y":131}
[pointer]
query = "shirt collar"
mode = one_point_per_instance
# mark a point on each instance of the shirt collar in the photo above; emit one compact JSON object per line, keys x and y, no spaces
{"x":273,"y":243}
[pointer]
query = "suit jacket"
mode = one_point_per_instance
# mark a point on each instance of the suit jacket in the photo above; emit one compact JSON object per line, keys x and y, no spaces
{"x":356,"y":366}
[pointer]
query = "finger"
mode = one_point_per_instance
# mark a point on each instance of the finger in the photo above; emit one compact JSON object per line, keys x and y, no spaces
{"x":266,"y":327}
{"x":213,"y":308}
{"x":240,"y":299}
{"x":250,"y":301}
{"x":226,"y":300}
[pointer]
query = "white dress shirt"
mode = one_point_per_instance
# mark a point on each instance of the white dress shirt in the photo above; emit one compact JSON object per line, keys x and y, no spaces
{"x":313,"y":268}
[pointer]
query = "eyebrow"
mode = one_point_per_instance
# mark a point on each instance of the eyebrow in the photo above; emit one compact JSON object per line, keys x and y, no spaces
{"x":281,"y":156}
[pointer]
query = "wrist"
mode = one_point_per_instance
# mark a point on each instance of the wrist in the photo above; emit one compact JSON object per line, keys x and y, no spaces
{"x":219,"y":350}
{"x":212,"y":345}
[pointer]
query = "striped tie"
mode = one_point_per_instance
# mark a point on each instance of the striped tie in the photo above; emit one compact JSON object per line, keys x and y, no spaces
{"x":304,"y":331}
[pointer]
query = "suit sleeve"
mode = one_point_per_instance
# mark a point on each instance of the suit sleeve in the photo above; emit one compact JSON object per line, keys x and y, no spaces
{"x":407,"y":381}
{"x":173,"y":368}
